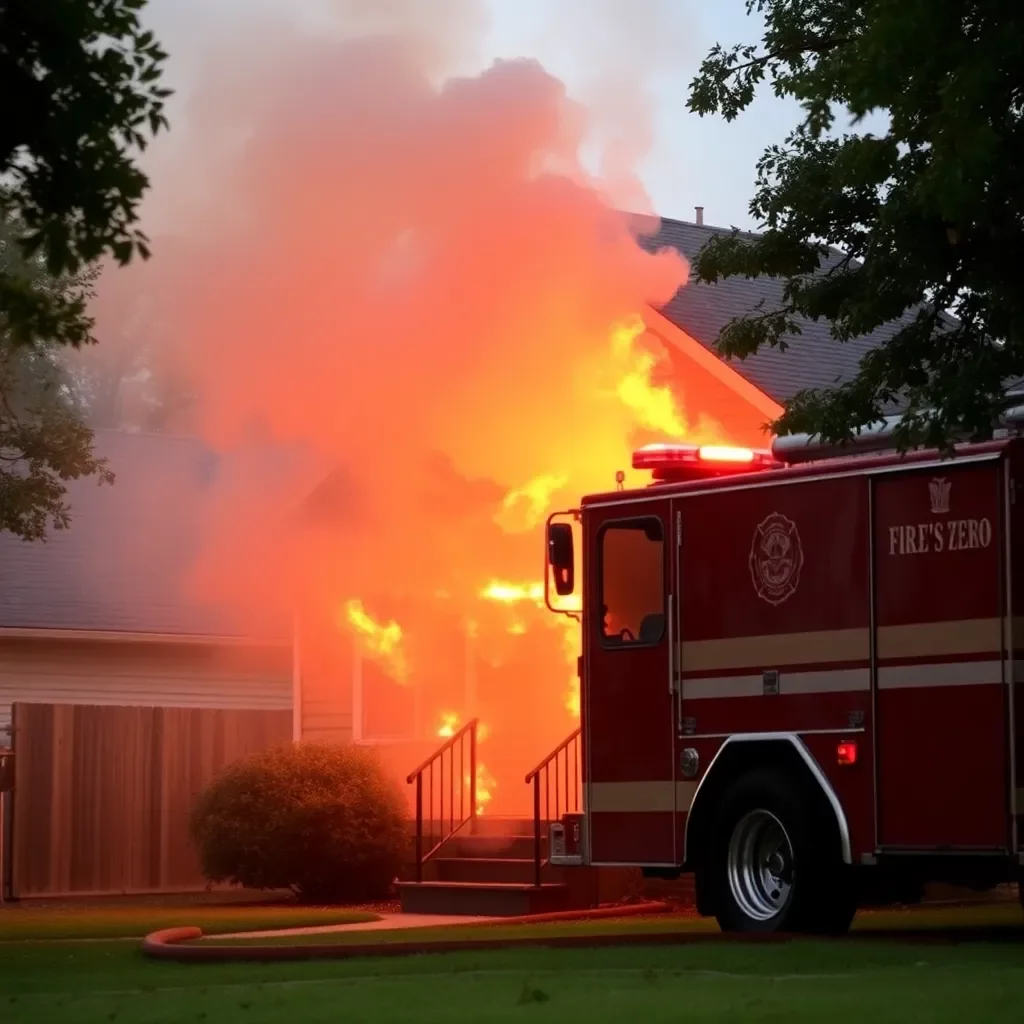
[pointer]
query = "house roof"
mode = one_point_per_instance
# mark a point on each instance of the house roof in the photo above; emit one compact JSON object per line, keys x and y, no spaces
{"x":813,"y":359}
{"x":123,"y":564}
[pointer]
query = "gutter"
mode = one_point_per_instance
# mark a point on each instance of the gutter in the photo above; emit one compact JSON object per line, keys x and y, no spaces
{"x":877,"y":437}
{"x":127,"y":636}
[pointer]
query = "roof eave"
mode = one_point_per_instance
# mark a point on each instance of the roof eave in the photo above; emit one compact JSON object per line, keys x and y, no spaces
{"x":672,"y":333}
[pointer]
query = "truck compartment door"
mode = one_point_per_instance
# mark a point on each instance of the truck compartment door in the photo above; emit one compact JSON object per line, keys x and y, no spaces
{"x":630,"y":709}
{"x":941,"y":694}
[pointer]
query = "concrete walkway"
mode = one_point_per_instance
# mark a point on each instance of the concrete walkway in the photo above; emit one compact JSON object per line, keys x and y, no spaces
{"x":387,"y":922}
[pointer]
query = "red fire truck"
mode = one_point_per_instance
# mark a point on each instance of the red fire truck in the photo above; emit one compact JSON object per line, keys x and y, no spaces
{"x":799,"y":677}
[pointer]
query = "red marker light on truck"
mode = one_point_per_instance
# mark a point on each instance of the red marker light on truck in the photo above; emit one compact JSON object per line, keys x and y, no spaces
{"x":692,"y":461}
{"x":846,"y":753}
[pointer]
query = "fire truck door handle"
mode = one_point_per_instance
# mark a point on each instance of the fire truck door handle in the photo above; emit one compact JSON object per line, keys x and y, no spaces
{"x":671,"y":651}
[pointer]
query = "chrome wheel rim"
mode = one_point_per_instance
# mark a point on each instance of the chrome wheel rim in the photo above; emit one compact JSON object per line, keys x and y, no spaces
{"x":760,"y":865}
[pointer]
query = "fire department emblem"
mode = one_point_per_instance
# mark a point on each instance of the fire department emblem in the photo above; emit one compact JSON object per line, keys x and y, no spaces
{"x":776,"y":558}
{"x":938,"y":492}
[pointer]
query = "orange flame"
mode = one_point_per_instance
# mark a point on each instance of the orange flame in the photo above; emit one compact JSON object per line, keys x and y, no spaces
{"x":449,"y":724}
{"x":485,"y":784}
{"x":524,"y":508}
{"x":380,"y":641}
{"x":625,"y":376}
{"x":514,"y":593}
{"x":511,"y":594}
{"x":571,"y":646}
{"x":654,"y":407}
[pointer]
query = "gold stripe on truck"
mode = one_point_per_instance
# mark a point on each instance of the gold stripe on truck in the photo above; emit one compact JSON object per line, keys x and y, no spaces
{"x":639,"y":797}
{"x":825,"y":646}
{"x":757,"y":652}
{"x":940,"y":639}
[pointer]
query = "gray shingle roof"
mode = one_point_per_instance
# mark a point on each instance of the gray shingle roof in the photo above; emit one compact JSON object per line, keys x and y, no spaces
{"x":123,"y":564}
{"x":812,"y":360}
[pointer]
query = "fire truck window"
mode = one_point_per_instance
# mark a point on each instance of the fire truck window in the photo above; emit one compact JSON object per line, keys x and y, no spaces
{"x":633,"y":582}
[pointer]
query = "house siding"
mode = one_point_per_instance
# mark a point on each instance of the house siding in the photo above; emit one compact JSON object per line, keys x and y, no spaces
{"x":327,"y":664}
{"x":142,"y":675}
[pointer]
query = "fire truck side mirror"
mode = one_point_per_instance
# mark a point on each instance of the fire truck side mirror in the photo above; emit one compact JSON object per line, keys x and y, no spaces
{"x":562,"y":558}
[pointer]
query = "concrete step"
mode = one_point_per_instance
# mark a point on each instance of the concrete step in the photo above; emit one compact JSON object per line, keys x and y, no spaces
{"x":479,"y":899}
{"x":490,"y":846}
{"x":486,"y":826}
{"x":482,"y":826}
{"x":518,"y":870}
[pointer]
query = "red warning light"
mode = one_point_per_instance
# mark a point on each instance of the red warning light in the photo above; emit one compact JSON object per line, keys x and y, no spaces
{"x":846,"y":753}
{"x":694,"y":462}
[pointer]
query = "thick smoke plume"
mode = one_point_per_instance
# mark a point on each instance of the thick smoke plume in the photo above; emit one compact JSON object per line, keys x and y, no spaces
{"x":411,"y":275}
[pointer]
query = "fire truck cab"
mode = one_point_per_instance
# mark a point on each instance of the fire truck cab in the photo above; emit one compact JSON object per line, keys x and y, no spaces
{"x":799,"y":675}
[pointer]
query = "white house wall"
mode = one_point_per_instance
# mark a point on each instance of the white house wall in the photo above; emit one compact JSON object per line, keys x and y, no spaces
{"x":46,"y":671}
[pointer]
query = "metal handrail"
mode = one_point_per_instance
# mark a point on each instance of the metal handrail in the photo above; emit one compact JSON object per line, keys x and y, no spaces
{"x":559,"y":756}
{"x":531,"y":775}
{"x":468,"y":731}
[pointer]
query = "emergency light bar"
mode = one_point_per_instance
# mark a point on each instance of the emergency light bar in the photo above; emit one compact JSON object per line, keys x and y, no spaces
{"x":695,"y":462}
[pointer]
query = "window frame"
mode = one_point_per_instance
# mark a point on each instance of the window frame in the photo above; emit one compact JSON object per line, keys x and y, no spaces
{"x":360,"y":736}
{"x":630,"y":522}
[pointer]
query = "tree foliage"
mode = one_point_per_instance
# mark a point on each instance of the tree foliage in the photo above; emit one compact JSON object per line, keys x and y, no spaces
{"x":44,"y":441}
{"x":82,"y":83}
{"x":927,"y":214}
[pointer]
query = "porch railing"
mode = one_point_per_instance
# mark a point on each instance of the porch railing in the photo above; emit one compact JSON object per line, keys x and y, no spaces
{"x":437,"y":776}
{"x":557,"y":776}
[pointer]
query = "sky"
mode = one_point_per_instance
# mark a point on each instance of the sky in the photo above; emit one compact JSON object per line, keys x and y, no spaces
{"x":691,"y":162}
{"x":694,"y":161}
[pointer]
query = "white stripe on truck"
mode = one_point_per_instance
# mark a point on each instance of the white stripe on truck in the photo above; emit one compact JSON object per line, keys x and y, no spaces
{"x":950,"y":673}
{"x":849,"y":680}
{"x":815,"y":681}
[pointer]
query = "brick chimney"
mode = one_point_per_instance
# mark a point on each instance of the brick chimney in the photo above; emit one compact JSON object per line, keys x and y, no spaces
{"x":700,"y":214}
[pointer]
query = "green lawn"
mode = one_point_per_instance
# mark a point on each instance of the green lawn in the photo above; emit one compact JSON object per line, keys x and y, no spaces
{"x":995,"y":916}
{"x":803,"y":981}
{"x":110,"y":921}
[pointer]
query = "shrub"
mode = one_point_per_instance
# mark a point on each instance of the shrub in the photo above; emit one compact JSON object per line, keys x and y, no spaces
{"x":326,"y":822}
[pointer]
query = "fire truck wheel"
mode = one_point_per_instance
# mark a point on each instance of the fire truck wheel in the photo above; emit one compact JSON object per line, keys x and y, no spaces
{"x":771,"y":870}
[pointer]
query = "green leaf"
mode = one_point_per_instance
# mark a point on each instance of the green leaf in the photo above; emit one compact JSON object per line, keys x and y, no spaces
{"x":87,"y":79}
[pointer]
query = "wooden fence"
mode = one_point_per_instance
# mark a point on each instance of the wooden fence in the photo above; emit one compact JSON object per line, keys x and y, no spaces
{"x":102,"y":794}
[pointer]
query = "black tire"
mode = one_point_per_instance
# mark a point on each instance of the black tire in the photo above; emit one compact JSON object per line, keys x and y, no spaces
{"x":773,"y":864}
